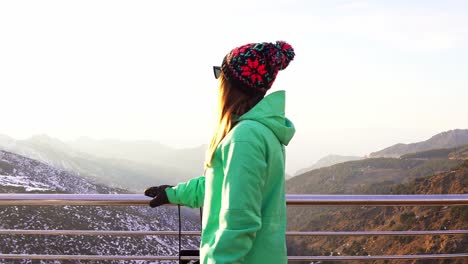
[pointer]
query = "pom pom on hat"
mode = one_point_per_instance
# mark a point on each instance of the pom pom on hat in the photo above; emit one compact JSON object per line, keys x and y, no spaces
{"x":287,"y":53}
{"x":253,"y":67}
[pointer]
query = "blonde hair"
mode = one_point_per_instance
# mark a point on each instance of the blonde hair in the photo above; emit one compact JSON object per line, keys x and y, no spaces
{"x":232,"y":103}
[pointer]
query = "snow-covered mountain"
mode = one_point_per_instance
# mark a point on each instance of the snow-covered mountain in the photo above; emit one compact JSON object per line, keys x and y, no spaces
{"x":116,"y":172}
{"x":19,"y":174}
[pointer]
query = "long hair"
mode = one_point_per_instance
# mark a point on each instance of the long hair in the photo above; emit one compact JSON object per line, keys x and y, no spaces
{"x":232,"y":103}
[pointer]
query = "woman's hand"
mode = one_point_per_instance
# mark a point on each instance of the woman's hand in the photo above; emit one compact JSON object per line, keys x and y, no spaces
{"x":158,"y":194}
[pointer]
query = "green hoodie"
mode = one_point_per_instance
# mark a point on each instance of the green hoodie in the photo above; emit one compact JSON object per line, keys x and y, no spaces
{"x":243,"y":192}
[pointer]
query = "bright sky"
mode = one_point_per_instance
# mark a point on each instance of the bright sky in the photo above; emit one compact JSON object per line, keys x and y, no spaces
{"x":367,"y":74}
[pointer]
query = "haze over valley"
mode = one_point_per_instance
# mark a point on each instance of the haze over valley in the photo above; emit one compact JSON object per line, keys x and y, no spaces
{"x":45,"y":165}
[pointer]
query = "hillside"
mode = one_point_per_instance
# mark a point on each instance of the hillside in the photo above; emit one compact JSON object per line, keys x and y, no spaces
{"x":448,"y":139}
{"x":19,"y":174}
{"x":328,"y":161}
{"x":366,"y":176}
{"x":460,"y":153}
{"x":387,"y":218}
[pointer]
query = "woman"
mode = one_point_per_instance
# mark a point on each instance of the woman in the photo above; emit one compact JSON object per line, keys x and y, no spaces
{"x":243,"y":190}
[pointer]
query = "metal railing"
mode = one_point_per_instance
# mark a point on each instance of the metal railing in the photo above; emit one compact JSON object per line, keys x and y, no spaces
{"x":292,"y":200}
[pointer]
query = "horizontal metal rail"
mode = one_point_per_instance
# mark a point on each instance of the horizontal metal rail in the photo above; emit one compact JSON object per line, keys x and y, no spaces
{"x":378,"y":200}
{"x":197,"y":233}
{"x":294,"y":200}
{"x":291,"y":258}
{"x":388,"y":257}
{"x":291,"y":199}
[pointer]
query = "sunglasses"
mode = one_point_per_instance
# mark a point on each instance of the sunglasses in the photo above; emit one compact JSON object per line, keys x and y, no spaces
{"x":217,"y":71}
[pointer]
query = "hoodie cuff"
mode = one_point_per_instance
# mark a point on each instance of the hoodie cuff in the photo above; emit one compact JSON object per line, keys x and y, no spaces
{"x":171,"y":195}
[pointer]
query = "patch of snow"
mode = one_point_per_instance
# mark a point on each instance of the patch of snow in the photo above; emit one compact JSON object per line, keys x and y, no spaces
{"x":23,"y":181}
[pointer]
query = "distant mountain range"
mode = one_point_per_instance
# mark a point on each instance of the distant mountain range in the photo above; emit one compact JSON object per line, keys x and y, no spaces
{"x":328,"y":161}
{"x":373,"y":175}
{"x":42,"y":164}
{"x":136,"y":165}
{"x":119,"y":166}
{"x":448,"y":139}
{"x":144,"y":151}
{"x":19,"y":174}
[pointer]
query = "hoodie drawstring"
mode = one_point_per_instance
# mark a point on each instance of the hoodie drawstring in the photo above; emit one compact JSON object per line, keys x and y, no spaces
{"x":180,"y":231}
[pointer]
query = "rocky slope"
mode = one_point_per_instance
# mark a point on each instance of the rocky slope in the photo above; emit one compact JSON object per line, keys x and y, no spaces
{"x":19,"y":174}
{"x":395,"y":218}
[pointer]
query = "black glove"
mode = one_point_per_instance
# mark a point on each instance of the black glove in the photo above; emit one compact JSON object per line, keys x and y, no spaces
{"x":159,"y":195}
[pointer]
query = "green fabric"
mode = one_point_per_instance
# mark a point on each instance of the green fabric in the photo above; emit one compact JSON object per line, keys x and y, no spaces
{"x":243,"y":192}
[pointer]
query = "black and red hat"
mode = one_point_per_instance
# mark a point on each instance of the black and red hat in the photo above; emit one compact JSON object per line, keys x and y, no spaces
{"x":253,"y":67}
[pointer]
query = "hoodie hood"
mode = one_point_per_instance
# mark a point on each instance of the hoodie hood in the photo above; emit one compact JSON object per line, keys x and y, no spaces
{"x":270,"y":112}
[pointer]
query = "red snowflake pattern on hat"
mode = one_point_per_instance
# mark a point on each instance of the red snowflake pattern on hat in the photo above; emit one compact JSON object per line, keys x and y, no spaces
{"x":254,"y":70}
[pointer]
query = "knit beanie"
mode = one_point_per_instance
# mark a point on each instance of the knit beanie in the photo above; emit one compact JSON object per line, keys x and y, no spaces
{"x":253,"y":67}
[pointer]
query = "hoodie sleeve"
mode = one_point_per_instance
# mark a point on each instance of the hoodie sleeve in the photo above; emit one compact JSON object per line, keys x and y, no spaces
{"x":244,"y":166}
{"x":190,"y":193}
